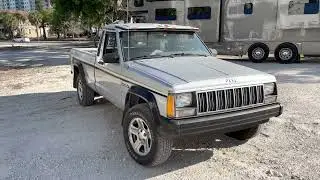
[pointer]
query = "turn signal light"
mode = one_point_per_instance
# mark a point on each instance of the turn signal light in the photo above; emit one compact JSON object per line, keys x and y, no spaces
{"x":171,"y":106}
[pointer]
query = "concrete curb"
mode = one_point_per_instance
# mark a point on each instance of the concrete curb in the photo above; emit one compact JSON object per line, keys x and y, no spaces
{"x":46,"y":45}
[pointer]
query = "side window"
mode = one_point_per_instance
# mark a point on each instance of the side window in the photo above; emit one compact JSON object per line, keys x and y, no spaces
{"x":312,"y":7}
{"x":139,"y":19}
{"x":168,"y":14}
{"x":248,"y":8}
{"x":199,"y":13}
{"x":138,"y":3}
{"x":100,"y":42}
{"x":299,"y":7}
{"x":110,"y":43}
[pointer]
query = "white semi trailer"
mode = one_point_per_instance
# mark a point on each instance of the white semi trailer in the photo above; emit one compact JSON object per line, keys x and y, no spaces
{"x":287,"y":28}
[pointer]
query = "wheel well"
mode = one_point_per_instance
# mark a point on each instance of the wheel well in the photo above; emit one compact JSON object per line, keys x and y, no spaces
{"x":258,"y":44}
{"x":288,"y":44}
{"x":139,"y":95}
{"x":75,"y":75}
{"x":133,"y":99}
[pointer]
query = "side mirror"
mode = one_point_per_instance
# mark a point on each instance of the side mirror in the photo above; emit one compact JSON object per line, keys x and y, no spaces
{"x":111,"y":57}
{"x":214,"y":52}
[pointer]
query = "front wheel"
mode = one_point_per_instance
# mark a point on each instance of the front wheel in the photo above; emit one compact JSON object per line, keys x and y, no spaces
{"x":144,"y":145}
{"x":245,"y":134}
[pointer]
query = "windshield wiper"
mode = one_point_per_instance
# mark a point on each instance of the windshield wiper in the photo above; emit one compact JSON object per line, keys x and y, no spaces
{"x":188,"y":54}
{"x":150,"y":57}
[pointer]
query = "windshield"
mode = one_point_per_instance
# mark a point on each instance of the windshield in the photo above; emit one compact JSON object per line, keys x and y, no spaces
{"x":153,"y":44}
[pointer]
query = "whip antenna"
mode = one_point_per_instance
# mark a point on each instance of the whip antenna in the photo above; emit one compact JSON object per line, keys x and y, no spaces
{"x":128,"y":58}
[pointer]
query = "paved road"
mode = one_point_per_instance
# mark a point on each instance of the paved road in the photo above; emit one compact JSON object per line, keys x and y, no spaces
{"x":45,"y":134}
{"x":33,"y":58}
{"x":306,"y":72}
{"x":8,"y":44}
{"x":25,"y":55}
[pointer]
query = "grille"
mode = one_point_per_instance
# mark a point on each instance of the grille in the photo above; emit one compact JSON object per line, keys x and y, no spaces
{"x":212,"y":101}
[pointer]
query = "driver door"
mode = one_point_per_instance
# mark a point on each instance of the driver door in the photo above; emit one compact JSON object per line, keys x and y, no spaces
{"x":107,"y":73}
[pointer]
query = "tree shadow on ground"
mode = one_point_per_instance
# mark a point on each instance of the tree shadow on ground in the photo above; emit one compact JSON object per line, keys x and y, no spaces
{"x":29,"y":57}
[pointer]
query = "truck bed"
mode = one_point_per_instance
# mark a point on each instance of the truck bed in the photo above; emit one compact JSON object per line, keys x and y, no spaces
{"x":87,"y":55}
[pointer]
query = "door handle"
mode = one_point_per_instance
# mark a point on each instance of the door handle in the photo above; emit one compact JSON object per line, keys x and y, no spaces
{"x":100,"y":62}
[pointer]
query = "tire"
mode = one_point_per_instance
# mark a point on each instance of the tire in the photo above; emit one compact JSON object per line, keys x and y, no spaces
{"x":286,"y":53}
{"x":245,"y":134}
{"x":84,"y":92}
{"x":258,"y":52}
{"x":156,"y":149}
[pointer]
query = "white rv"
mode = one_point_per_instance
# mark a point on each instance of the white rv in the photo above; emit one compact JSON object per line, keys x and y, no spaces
{"x":287,"y":28}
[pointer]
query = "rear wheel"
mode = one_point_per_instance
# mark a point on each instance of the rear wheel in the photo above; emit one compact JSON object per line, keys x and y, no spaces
{"x":85,"y":93}
{"x":144,"y":145}
{"x":245,"y":134}
{"x":258,"y":52}
{"x":286,"y":53}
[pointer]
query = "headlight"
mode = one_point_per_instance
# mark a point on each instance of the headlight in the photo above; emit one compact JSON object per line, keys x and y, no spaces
{"x":183,"y":100}
{"x":180,"y":105}
{"x":269,"y":89}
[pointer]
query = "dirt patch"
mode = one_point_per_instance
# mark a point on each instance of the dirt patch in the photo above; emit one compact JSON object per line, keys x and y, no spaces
{"x":44,"y":133}
{"x":17,"y":86}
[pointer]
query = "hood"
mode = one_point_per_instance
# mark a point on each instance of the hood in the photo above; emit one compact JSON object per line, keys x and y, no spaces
{"x":191,"y":70}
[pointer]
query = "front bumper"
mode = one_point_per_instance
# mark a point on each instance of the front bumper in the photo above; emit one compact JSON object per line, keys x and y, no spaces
{"x":219,"y":123}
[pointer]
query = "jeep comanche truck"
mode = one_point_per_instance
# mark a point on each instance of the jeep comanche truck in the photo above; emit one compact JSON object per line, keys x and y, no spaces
{"x":169,"y":84}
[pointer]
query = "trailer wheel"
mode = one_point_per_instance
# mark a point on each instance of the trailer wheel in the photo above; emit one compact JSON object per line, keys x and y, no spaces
{"x":258,"y":52}
{"x":286,"y":53}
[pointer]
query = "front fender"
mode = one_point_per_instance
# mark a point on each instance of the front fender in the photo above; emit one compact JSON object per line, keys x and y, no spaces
{"x":147,"y":97}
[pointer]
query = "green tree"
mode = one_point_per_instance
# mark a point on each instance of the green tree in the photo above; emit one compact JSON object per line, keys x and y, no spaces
{"x":56,"y":24}
{"x":12,"y":22}
{"x":35,"y":20}
{"x":59,"y":23}
{"x":93,"y":13}
{"x":45,"y":16}
{"x":21,"y":18}
{"x":39,"y":5}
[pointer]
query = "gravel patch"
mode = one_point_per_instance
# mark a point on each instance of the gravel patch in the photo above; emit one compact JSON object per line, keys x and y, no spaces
{"x":45,"y":134}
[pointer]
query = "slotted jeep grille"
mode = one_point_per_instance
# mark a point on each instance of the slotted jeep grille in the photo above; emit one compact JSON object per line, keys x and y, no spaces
{"x":213,"y":101}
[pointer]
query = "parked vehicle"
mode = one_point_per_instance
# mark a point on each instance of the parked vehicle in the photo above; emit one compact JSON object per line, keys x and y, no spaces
{"x":169,"y":84}
{"x":287,"y":28}
{"x":21,"y":40}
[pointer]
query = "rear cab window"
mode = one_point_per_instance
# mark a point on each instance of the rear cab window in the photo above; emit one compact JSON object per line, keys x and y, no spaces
{"x":110,"y":43}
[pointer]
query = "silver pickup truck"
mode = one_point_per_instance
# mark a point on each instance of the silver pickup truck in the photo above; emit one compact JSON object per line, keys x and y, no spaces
{"x":169,"y":84}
